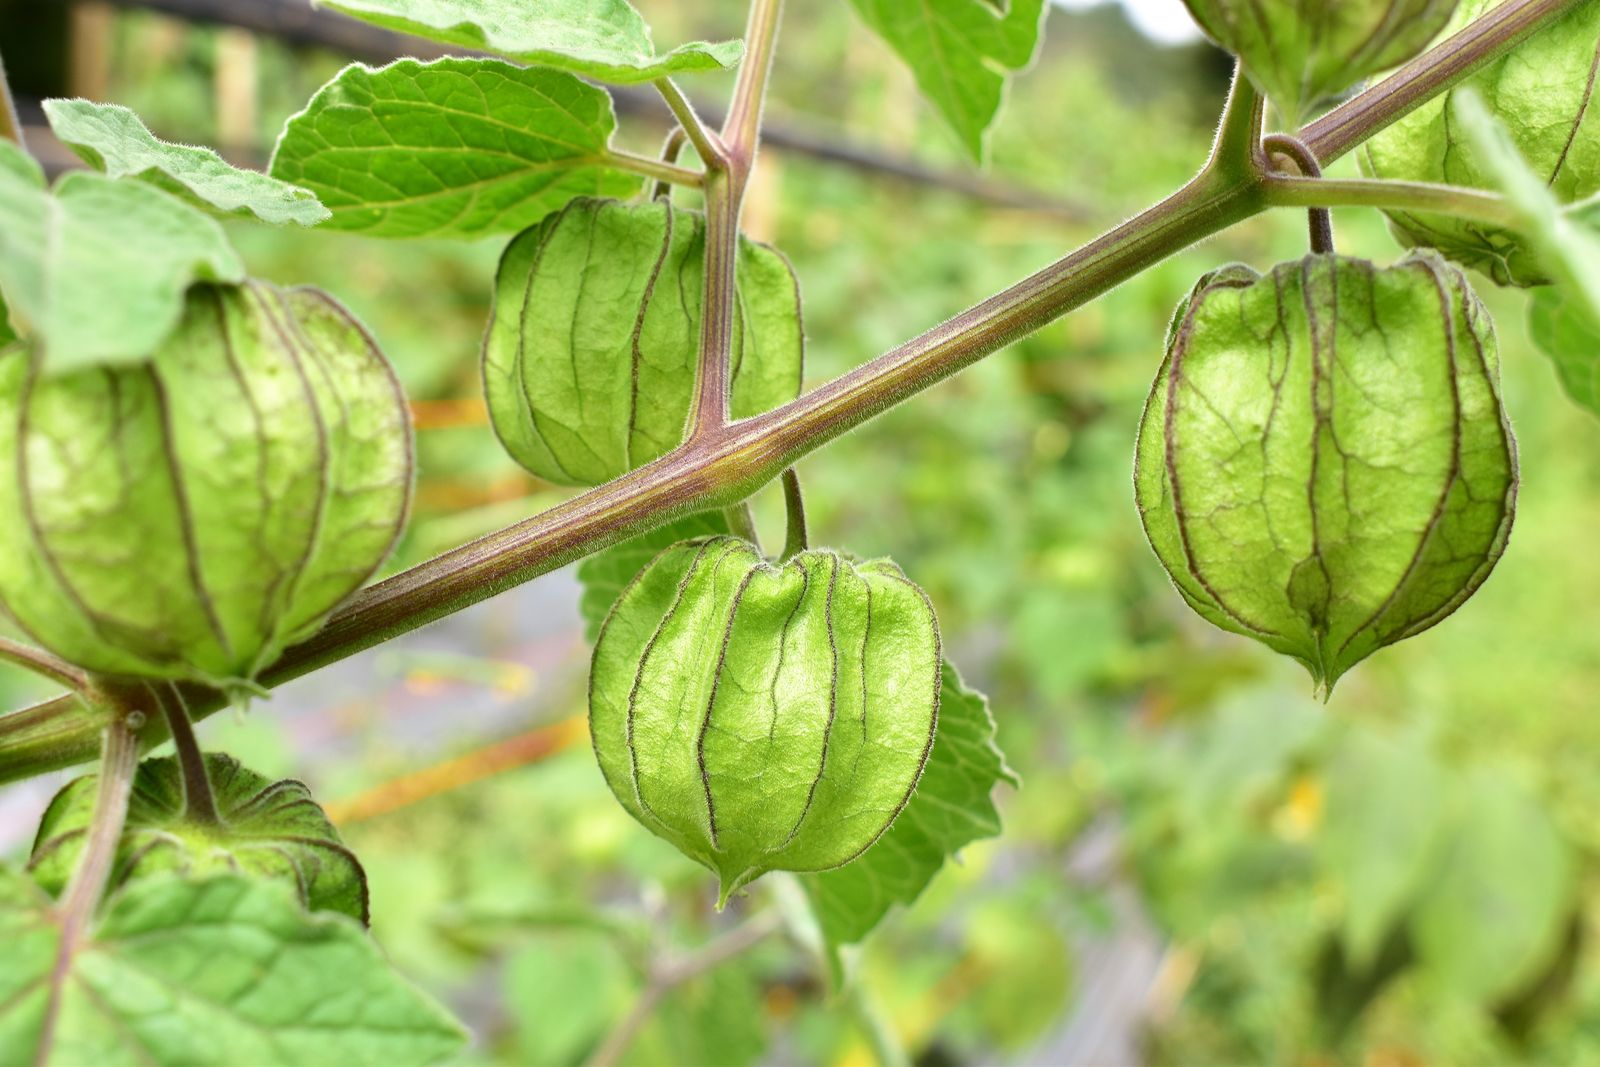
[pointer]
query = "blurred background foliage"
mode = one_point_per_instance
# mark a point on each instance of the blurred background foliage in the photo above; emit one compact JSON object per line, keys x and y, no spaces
{"x":1204,"y":866}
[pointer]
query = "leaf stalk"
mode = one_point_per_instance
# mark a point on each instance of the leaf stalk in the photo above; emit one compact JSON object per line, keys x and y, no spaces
{"x":718,"y":470}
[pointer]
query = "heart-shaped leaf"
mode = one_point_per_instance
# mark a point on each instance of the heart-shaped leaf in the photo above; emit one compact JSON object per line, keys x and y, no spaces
{"x":220,"y":970}
{"x":452,"y":148}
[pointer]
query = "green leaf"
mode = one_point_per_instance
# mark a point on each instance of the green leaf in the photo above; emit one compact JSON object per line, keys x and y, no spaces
{"x":602,"y":39}
{"x":960,"y":52}
{"x":113,"y":140}
{"x":606,"y":574}
{"x":1384,"y":815}
{"x":952,"y":807}
{"x":1492,"y":917}
{"x":97,"y":269}
{"x":793,"y":736}
{"x":7,"y":334}
{"x":1564,"y":328}
{"x":222,"y":970}
{"x":271,"y":830}
{"x":452,"y":148}
{"x":590,"y":356}
{"x":1566,"y":322}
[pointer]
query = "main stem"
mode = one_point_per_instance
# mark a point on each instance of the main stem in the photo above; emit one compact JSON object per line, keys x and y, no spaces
{"x":721,"y":470}
{"x":727,"y":176}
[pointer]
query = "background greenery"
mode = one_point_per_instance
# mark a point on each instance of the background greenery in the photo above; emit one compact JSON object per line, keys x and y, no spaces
{"x":1203,"y":865}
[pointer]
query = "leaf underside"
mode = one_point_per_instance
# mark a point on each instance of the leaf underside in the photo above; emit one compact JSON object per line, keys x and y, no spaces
{"x":961,"y":52}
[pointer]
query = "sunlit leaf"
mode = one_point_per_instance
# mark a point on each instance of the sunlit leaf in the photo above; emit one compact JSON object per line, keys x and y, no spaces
{"x":961,"y":52}
{"x":113,"y":140}
{"x":603,"y":39}
{"x":96,"y":269}
{"x":222,"y":970}
{"x":452,"y":148}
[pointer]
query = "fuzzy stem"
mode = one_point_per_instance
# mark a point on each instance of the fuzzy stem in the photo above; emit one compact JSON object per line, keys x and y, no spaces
{"x":712,"y":153}
{"x":199,"y":802}
{"x":1474,"y":204}
{"x":1320,"y":219}
{"x":670,"y":150}
{"x":119,"y":761}
{"x":720,"y":471}
{"x":660,"y":170}
{"x":43,"y":664}
{"x":795,"y":537}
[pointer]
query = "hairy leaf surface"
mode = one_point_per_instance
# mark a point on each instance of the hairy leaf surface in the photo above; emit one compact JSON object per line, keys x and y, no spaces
{"x":961,"y":52}
{"x":952,"y":807}
{"x":218,"y":970}
{"x":764,"y":717}
{"x":193,"y":516}
{"x":270,"y":830}
{"x":451,"y":148}
{"x":590,"y":356}
{"x":1324,"y":463}
{"x":113,"y":140}
{"x":603,"y":39}
{"x":1543,"y":90}
{"x":96,"y":269}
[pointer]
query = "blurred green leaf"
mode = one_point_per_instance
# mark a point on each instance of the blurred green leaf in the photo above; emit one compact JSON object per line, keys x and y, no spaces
{"x":1021,"y":971}
{"x":96,"y":268}
{"x":606,"y":574}
{"x":1491,"y":917}
{"x":111,"y":139}
{"x":951,"y":808}
{"x":565,"y":991}
{"x":7,"y":334}
{"x":220,"y":970}
{"x":451,"y":148}
{"x":1384,"y":798}
{"x":961,"y":52}
{"x":1565,"y":330}
{"x":603,"y":39}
